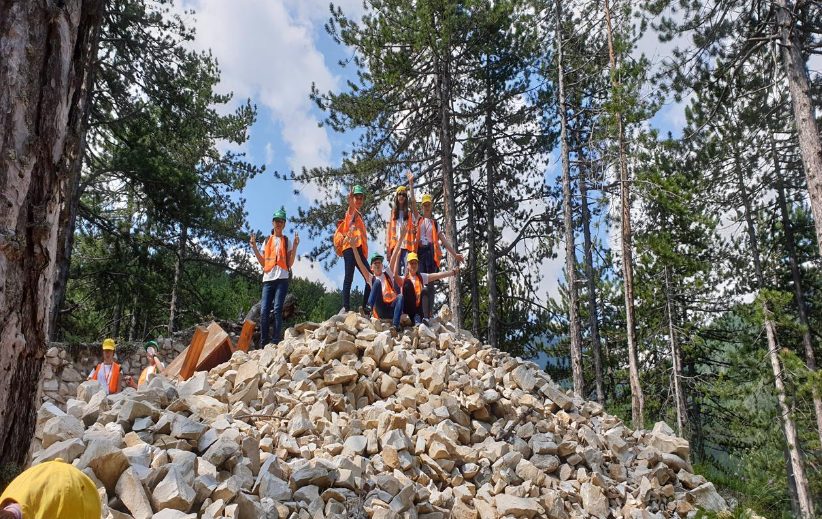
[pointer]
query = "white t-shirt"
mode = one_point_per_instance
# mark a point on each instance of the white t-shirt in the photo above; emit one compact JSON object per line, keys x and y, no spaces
{"x":426,"y":231}
{"x":277,"y":272}
{"x":387,"y":271}
{"x":104,"y":375}
{"x":424,"y":277}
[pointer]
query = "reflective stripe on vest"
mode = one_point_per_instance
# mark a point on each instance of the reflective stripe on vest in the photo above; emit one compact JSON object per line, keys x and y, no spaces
{"x":435,"y":239}
{"x":278,"y":258}
{"x":114,"y":377}
{"x":409,"y":240}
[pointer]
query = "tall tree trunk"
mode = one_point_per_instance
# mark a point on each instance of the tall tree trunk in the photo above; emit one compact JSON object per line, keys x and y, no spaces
{"x":568,"y":217}
{"x":810,"y":146}
{"x":446,"y":151}
{"x":472,"y":269}
{"x":637,"y":398}
{"x":676,"y":357}
{"x":790,"y":247}
{"x":491,"y":228}
{"x":178,"y":272}
{"x":44,"y":72}
{"x":593,"y":317}
{"x":785,"y":415}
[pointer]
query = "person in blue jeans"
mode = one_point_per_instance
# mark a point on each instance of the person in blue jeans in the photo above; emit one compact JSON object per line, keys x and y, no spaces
{"x":385,"y":299}
{"x":277,"y":259}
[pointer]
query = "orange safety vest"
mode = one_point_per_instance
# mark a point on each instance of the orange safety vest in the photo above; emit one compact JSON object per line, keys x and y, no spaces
{"x":360,"y":236}
{"x":114,"y":377}
{"x":418,"y":286}
{"x":147,"y":370}
{"x":272,"y":258}
{"x":435,"y":239}
{"x":389,"y":295}
{"x":409,"y":242}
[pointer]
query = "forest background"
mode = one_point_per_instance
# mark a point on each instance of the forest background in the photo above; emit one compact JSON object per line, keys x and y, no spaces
{"x":639,"y":224}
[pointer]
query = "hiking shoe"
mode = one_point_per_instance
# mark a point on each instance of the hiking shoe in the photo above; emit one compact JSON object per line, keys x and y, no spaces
{"x":365,"y":311}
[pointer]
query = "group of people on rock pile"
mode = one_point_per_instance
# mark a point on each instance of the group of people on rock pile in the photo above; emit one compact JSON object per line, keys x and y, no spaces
{"x":401,"y":290}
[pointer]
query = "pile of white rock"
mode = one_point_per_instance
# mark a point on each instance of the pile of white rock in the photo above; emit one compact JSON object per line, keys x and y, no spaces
{"x":347,"y":419}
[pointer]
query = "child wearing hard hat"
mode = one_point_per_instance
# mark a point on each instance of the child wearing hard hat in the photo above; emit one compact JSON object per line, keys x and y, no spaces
{"x":401,"y":228}
{"x":385,"y":301}
{"x":354,"y":225}
{"x":429,"y":241}
{"x":416,"y":288}
{"x":276,"y":260}
{"x":107,"y":373}
{"x":51,"y":490}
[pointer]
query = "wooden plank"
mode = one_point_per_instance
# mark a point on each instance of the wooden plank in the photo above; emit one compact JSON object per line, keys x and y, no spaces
{"x":216,"y":339}
{"x":192,"y":353}
{"x":246,"y":334}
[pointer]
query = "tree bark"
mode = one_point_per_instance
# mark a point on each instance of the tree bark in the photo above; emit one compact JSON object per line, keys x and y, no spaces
{"x":637,"y":398}
{"x":676,"y":357}
{"x":491,"y":229}
{"x":44,"y":73}
{"x":178,"y":272}
{"x":568,"y":218}
{"x":446,"y":152}
{"x":810,"y":146}
{"x":593,"y":314}
{"x":786,"y":418}
{"x":799,"y":293}
{"x":472,"y":270}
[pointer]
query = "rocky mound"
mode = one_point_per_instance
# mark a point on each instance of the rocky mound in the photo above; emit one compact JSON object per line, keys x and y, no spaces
{"x":342,"y":419}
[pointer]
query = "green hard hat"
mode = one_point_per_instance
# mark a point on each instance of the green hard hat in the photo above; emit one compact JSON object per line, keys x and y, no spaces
{"x":358,"y":190}
{"x":279,"y":214}
{"x":376,"y":256}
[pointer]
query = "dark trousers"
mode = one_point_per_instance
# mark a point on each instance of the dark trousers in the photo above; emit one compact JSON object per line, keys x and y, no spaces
{"x":427,"y":266}
{"x":273,"y":291}
{"x":392,"y":310}
{"x":350,"y":266}
{"x":409,"y":301}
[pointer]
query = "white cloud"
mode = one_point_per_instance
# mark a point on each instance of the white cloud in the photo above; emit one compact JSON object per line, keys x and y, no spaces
{"x":309,"y":269}
{"x":269,"y":154}
{"x":266,"y":52}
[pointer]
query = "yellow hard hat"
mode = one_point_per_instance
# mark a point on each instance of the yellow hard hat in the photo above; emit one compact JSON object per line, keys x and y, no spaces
{"x":56,"y":490}
{"x":412,"y":256}
{"x":400,"y":189}
{"x":108,"y":344}
{"x":426,"y":198}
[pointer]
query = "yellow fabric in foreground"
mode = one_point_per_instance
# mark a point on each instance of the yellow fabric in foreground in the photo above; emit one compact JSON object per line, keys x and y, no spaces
{"x":54,"y":490}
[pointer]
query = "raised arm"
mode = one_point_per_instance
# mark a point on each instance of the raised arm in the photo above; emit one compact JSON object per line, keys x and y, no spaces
{"x":366,"y":274}
{"x":293,"y":252}
{"x":441,"y":275}
{"x":394,"y":261}
{"x":412,"y":203}
{"x":253,"y":243}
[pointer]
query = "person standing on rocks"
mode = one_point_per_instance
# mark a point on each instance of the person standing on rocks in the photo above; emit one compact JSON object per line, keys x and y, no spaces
{"x":416,"y":288}
{"x":154,"y":366}
{"x":401,"y":227}
{"x":429,"y":240}
{"x":352,"y":223}
{"x":53,"y":490}
{"x":107,"y":373}
{"x":385,"y":301}
{"x":276,"y":260}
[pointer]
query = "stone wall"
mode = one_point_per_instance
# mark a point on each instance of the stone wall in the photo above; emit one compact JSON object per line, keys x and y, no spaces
{"x":68,"y":365}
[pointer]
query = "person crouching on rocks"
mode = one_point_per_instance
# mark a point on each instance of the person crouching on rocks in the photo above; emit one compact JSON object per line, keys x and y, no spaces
{"x":154,"y":367}
{"x":276,"y":260}
{"x":385,"y":300}
{"x":416,"y":288}
{"x":107,"y":373}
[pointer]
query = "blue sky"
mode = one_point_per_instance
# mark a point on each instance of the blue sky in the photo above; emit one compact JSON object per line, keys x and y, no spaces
{"x":271,"y":51}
